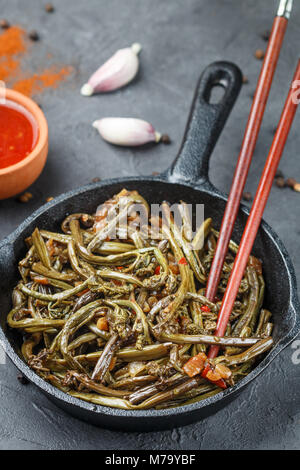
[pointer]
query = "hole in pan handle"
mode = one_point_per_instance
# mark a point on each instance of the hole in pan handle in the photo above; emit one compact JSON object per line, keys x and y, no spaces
{"x":208,"y":116}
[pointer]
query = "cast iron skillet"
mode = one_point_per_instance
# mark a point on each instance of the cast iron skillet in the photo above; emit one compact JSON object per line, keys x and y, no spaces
{"x":187,"y":179}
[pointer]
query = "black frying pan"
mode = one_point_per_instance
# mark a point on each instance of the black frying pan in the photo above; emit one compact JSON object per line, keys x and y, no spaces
{"x":186,"y":180}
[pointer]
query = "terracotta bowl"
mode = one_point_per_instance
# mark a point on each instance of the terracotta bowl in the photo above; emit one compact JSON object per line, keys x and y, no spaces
{"x":16,"y":178}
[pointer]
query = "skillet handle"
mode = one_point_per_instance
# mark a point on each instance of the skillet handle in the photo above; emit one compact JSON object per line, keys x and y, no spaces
{"x":206,"y":122}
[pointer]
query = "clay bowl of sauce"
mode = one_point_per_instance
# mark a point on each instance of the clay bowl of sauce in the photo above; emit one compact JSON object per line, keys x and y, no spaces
{"x":23,"y":142}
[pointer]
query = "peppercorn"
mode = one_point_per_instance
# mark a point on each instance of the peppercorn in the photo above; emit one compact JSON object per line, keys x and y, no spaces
{"x":34,"y":35}
{"x":279,"y":174}
{"x":259,"y":54}
{"x":274,"y":130}
{"x":22,"y":379}
{"x":165,"y":139}
{"x":266,"y":35}
{"x":290,"y":182}
{"x":25,"y":197}
{"x":247,"y":196}
{"x":49,"y":8}
{"x":280,"y":182}
{"x":4,"y":24}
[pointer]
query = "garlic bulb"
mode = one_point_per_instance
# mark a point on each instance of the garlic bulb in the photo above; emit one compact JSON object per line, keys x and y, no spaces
{"x":126,"y":131}
{"x":119,"y":70}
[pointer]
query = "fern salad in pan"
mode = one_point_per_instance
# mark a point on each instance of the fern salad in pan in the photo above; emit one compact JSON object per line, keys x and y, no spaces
{"x":113,"y":311}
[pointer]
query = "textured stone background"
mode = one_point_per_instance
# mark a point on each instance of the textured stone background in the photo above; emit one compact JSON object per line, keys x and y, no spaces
{"x":179,"y":39}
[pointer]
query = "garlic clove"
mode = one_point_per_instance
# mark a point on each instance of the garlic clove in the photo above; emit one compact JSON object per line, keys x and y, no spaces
{"x":126,"y":131}
{"x":116,"y":72}
{"x":87,"y":90}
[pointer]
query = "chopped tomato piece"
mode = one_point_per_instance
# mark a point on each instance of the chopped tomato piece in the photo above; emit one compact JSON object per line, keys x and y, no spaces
{"x":220,"y":383}
{"x":205,"y":308}
{"x":224,"y":371}
{"x":157,"y":270}
{"x":183,"y":261}
{"x":213,"y":375}
{"x":117,"y":282}
{"x":195,"y":365}
{"x":82,"y":292}
{"x":41,"y":280}
{"x":102,"y":324}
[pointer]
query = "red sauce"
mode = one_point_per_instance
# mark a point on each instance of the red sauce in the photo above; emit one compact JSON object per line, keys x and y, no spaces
{"x":18,"y":133}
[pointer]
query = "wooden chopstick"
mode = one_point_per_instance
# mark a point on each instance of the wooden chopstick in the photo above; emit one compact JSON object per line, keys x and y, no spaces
{"x":248,"y":145}
{"x":258,"y":206}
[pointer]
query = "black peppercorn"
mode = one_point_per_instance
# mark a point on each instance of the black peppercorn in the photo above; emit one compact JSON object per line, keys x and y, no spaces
{"x":280,"y":182}
{"x":34,"y":36}
{"x":165,"y":139}
{"x":49,"y":8}
{"x":266,"y":35}
{"x":247,"y":196}
{"x":4,"y":24}
{"x":22,"y":379}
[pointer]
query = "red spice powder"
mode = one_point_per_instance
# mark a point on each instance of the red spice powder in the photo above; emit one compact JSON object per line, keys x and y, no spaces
{"x":12,"y":41}
{"x":38,"y":82}
{"x":13,"y":47}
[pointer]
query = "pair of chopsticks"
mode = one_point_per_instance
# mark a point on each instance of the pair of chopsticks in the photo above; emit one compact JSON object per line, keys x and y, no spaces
{"x":241,"y":172}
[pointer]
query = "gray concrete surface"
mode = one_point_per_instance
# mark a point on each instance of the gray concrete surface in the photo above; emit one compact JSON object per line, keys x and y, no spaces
{"x":179,"y":38}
